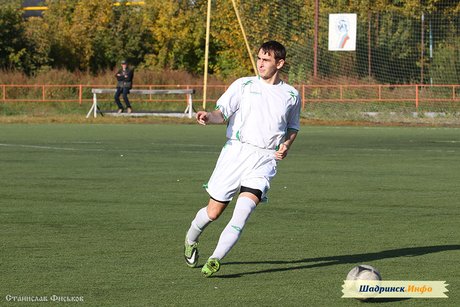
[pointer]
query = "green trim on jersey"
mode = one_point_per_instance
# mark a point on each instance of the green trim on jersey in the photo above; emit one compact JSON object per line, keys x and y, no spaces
{"x":238,"y":135}
{"x":247,"y":83}
{"x":218,"y":108}
{"x":292,"y":94}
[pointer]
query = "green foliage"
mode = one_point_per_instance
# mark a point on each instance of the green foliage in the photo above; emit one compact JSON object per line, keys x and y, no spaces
{"x":445,"y":68}
{"x":13,"y":44}
{"x":93,"y":35}
{"x":36,"y":34}
{"x":177,"y":30}
{"x":128,"y":36}
{"x":397,"y":47}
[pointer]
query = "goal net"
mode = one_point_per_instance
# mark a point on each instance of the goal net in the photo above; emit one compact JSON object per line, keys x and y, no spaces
{"x":403,"y":65}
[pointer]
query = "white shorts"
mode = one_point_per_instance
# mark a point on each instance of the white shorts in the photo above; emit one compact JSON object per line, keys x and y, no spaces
{"x":241,"y":165}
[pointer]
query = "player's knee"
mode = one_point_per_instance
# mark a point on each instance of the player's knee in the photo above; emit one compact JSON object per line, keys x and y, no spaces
{"x":215,"y":208}
{"x":213,"y":214}
{"x":215,"y":211}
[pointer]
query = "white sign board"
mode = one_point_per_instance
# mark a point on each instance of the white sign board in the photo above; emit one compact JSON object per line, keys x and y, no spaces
{"x":342,"y":32}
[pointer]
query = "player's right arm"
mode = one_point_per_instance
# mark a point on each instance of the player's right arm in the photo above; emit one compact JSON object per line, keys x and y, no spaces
{"x":226,"y":106}
{"x":214,"y":117}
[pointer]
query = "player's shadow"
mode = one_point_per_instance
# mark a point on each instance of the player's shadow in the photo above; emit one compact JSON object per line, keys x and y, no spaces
{"x":308,"y":263}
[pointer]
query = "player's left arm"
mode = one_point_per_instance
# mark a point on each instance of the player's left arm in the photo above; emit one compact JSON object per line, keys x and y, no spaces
{"x":293,"y":124}
{"x":282,"y":152}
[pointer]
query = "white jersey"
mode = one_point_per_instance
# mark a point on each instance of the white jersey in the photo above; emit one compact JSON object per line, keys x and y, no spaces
{"x":259,"y":113}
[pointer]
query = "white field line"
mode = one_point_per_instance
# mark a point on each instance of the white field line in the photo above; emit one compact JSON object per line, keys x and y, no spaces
{"x":400,"y":150}
{"x":49,"y":147}
{"x":451,"y":142}
{"x":115,"y":150}
{"x":159,"y":145}
{"x":83,"y":142}
{"x":188,"y":145}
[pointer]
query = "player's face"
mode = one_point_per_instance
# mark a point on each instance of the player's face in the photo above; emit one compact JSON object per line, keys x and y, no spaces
{"x":267,"y":65}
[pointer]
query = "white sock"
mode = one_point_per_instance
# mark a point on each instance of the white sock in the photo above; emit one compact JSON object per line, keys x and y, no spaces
{"x":231,"y":233}
{"x":198,"y":225}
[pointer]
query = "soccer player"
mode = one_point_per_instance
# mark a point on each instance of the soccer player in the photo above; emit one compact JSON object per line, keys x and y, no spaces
{"x":262,"y":115}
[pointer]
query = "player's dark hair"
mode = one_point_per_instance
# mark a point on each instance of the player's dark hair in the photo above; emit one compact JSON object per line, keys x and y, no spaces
{"x":274,"y":47}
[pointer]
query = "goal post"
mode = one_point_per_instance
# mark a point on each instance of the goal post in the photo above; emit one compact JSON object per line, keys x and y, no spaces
{"x":206,"y":54}
{"x":403,"y":51}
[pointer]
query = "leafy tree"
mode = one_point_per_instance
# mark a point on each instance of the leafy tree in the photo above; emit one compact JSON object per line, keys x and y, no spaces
{"x":12,"y":47}
{"x":38,"y":41}
{"x":20,"y":49}
{"x":58,"y":19}
{"x":129,"y":35}
{"x":89,"y":21}
{"x":177,"y":31}
{"x":93,"y":35}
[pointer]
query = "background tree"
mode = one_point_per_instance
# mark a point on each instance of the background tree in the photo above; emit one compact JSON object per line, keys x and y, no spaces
{"x":93,"y":35}
{"x":128,"y":36}
{"x":15,"y":49}
{"x":177,"y":29}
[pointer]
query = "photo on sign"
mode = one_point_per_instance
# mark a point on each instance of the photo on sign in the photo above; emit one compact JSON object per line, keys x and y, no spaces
{"x":342,"y":32}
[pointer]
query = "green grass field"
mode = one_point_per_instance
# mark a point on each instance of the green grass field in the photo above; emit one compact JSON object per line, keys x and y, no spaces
{"x":100,"y":211}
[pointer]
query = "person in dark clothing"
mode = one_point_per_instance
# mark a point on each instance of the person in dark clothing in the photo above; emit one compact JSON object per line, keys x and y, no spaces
{"x":124,"y":84}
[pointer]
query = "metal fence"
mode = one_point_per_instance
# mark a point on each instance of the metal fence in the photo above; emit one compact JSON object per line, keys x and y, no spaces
{"x":415,"y":94}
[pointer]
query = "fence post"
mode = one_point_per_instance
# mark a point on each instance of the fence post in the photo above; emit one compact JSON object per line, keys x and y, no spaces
{"x":43,"y":92}
{"x":416,"y":97}
{"x":189,"y":103}
{"x":4,"y":92}
{"x":303,"y":96}
{"x":80,"y":94}
{"x":187,"y":97}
